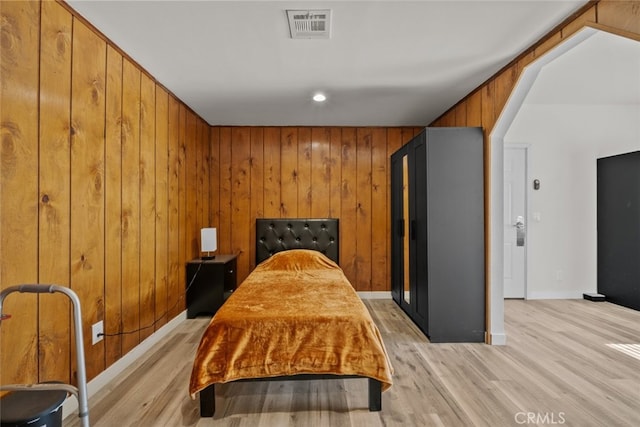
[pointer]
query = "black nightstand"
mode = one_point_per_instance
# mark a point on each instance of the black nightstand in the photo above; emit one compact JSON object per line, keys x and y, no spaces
{"x":213,"y":281}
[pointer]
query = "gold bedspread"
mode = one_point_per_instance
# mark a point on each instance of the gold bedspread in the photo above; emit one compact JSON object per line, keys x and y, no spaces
{"x":296,"y":313}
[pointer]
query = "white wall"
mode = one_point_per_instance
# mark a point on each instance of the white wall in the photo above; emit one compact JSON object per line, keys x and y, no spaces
{"x":565,"y":142}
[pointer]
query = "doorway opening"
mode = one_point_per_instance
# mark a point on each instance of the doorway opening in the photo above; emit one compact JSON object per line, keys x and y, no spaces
{"x":587,"y":107}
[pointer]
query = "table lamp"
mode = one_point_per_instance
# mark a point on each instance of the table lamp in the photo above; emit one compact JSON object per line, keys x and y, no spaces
{"x":208,"y":242}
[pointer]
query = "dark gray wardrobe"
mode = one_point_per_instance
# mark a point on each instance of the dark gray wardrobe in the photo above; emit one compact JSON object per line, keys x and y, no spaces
{"x":619,"y":229}
{"x":437,"y":212}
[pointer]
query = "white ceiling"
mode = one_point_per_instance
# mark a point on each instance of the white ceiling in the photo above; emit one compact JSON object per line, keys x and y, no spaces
{"x":388,"y":63}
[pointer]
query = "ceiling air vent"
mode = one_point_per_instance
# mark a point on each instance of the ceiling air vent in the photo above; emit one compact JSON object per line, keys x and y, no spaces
{"x":309,"y":24}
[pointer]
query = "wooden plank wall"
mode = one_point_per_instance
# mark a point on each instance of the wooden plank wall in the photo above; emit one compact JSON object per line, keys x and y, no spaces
{"x":104,"y":173}
{"x":301,"y":172}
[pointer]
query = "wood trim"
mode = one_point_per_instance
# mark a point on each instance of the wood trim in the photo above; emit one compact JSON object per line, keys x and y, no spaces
{"x":616,"y":31}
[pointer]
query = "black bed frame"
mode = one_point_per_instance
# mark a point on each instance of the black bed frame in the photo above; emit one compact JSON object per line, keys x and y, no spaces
{"x":208,"y":396}
{"x":275,"y":235}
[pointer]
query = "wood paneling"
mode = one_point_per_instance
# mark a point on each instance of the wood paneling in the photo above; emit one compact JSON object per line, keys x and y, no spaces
{"x":92,"y":153}
{"x":271,"y":192}
{"x":461,"y":114}
{"x":54,"y":211}
{"x":336,"y":173}
{"x":214,"y":178}
{"x":620,"y":14}
{"x":130,"y":205}
{"x":147,"y":205}
{"x":87,"y":184}
{"x":539,"y":50}
{"x":19,"y":187}
{"x":474,"y":110}
{"x":363,"y":209}
{"x":183,"y":238}
{"x":224,"y":190}
{"x":175,"y":279}
{"x":586,"y":17}
{"x":523,"y":62}
{"x":308,"y":172}
{"x":162,"y":206}
{"x":240,"y":198}
{"x":289,"y":173}
{"x":379,"y":207}
{"x":504,"y":85}
{"x":488,"y":114}
{"x":204,"y":182}
{"x":320,"y":173}
{"x":304,"y":172}
{"x":199,"y":183}
{"x":256,"y":191}
{"x":113,"y":200}
{"x":348,"y":206}
{"x":190,"y":175}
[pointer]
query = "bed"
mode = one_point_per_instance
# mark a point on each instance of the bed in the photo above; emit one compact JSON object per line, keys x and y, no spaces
{"x":296,"y":316}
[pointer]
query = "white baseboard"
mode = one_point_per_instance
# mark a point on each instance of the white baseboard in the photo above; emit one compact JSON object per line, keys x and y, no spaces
{"x":498,"y":339}
{"x":70,"y":406}
{"x":556,"y":295}
{"x":375,"y":295}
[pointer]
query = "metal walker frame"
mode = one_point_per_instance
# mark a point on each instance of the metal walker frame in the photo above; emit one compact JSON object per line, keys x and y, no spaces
{"x":79,"y":392}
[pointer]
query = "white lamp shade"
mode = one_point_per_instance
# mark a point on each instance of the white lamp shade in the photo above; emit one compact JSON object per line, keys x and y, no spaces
{"x":208,"y":239}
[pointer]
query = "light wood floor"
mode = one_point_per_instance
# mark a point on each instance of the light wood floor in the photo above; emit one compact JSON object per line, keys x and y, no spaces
{"x":556,"y":369}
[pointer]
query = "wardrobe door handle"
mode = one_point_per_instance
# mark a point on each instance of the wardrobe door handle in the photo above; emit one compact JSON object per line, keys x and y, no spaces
{"x":400,"y":226}
{"x":412,"y":229}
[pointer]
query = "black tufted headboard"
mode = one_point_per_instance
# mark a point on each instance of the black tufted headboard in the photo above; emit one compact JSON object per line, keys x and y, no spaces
{"x":281,"y":234}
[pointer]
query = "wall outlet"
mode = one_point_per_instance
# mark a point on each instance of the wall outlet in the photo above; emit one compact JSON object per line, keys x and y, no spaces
{"x":97,"y":328}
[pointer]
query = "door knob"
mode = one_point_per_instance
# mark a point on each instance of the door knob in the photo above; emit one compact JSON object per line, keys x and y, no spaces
{"x":520,"y":234}
{"x":519,"y":222}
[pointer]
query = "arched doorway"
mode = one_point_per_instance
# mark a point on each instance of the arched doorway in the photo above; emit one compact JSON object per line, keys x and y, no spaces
{"x":549,"y":96}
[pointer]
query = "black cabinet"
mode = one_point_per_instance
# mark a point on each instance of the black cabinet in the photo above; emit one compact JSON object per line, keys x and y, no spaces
{"x":437,"y":212}
{"x":619,"y":229}
{"x":209,"y":283}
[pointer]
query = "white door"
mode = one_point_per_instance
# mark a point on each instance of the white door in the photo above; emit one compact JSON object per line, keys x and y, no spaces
{"x":515,"y":221}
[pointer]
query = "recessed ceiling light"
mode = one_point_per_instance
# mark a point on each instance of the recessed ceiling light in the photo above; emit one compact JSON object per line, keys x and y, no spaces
{"x":319,"y":97}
